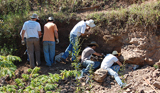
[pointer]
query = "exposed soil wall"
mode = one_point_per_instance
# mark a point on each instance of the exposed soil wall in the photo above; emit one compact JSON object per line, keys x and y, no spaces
{"x":137,"y":45}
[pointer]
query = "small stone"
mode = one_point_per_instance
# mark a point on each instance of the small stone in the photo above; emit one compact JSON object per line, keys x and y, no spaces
{"x":136,"y":84}
{"x":128,"y":90}
{"x":105,"y":84}
{"x":66,"y":87}
{"x":156,"y":73}
{"x":100,"y":74}
{"x":83,"y":84}
{"x":87,"y":92}
{"x":112,"y":83}
{"x":71,"y":90}
{"x":141,"y":91}
{"x":127,"y":86}
{"x":63,"y":91}
{"x":151,"y":91}
{"x":157,"y":84}
{"x":125,"y":76}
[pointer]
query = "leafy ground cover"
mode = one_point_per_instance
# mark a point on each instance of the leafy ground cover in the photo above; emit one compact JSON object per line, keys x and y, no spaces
{"x":7,"y":66}
{"x":33,"y":82}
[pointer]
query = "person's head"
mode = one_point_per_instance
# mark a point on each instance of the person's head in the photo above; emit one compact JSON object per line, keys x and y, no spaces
{"x":90,"y":23}
{"x":38,"y":20}
{"x":115,"y":53}
{"x":34,"y":17}
{"x":93,"y":45}
{"x":50,"y":19}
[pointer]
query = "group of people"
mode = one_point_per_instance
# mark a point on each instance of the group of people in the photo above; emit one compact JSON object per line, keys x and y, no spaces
{"x":31,"y":30}
{"x":30,"y":34}
{"x":107,"y":63}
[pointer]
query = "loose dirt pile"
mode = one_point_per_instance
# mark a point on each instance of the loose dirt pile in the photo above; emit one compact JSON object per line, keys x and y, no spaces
{"x":136,"y":78}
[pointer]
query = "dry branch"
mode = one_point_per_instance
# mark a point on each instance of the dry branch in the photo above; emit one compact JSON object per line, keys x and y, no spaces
{"x":150,"y":85}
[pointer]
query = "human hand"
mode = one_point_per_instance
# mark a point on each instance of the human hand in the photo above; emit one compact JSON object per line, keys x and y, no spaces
{"x":102,"y":54}
{"x":22,"y":42}
{"x":57,"y":41}
{"x":88,"y":33}
{"x":87,"y":28}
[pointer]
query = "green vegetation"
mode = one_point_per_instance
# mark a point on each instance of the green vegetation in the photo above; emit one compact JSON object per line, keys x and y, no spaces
{"x":156,"y":66}
{"x":119,"y":20}
{"x":121,"y":72}
{"x":6,"y":65}
{"x":47,"y":83}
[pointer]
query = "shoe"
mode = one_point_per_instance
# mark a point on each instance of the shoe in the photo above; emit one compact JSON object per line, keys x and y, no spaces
{"x":38,"y":65}
{"x":64,"y":60}
{"x":125,"y":86}
{"x":27,"y":62}
{"x":48,"y":65}
{"x":83,"y":72}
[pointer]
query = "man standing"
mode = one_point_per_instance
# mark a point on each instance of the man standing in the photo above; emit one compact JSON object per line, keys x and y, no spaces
{"x":50,"y":32}
{"x":107,"y":63}
{"x":78,"y":30}
{"x":33,"y":31}
{"x":85,"y":58}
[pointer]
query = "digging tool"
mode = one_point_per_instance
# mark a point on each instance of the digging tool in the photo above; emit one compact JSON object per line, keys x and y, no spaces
{"x":150,"y":85}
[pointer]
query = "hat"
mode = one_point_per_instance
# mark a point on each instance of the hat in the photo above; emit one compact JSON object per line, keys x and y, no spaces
{"x":34,"y":16}
{"x":50,"y":18}
{"x":94,"y":43}
{"x":90,"y":23}
{"x":114,"y":52}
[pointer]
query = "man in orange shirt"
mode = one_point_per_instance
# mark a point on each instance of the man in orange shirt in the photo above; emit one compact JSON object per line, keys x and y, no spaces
{"x":50,"y":32}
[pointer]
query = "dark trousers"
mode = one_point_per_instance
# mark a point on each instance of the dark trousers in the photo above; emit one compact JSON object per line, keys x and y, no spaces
{"x":33,"y":46}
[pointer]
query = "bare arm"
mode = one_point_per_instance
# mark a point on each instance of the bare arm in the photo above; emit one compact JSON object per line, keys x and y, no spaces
{"x":23,"y":32}
{"x":97,"y":54}
{"x":119,"y":63}
{"x":86,"y":32}
{"x":39,"y":33}
{"x":56,"y":34}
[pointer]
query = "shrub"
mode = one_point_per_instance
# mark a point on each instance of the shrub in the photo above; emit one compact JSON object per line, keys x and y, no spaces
{"x":6,"y":65}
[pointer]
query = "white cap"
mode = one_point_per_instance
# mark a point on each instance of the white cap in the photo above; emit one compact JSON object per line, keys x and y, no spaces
{"x":50,"y":18}
{"x":114,"y":52}
{"x":90,"y":23}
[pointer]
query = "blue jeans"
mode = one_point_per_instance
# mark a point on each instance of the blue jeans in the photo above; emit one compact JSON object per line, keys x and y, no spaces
{"x":73,"y":46}
{"x":49,"y":52}
{"x":113,"y":71}
{"x":90,"y":64}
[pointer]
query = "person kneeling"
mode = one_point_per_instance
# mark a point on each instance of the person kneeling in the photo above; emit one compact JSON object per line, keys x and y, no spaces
{"x":107,"y":64}
{"x":85,"y":58}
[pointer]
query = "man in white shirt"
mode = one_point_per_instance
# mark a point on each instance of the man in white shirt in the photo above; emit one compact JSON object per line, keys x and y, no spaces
{"x":78,"y":30}
{"x":33,"y":31}
{"x":107,"y":63}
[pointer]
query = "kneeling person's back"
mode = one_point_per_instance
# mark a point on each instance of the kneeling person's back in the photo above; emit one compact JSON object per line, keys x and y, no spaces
{"x":108,"y":61}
